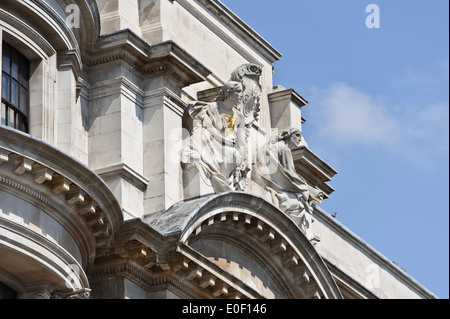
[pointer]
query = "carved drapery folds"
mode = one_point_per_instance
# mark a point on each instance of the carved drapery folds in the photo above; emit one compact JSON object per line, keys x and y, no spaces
{"x":217,"y":149}
{"x":275,"y":170}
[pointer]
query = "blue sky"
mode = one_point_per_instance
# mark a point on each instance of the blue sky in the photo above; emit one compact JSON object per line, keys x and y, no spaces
{"x":378,"y":114}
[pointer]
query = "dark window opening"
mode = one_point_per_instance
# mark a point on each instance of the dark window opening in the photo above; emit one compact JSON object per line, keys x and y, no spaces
{"x":14,"y":108}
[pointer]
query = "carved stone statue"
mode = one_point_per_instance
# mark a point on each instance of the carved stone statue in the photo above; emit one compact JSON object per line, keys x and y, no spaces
{"x":276,"y":171}
{"x":248,"y":75}
{"x":219,"y":132}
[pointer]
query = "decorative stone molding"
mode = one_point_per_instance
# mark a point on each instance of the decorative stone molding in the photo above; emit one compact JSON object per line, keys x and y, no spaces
{"x":231,"y":20}
{"x":266,"y":244}
{"x":153,"y":271}
{"x":70,"y":59}
{"x":125,"y":172}
{"x":78,"y":294}
{"x":313,"y":169}
{"x":165,"y":58}
{"x":161,"y":250}
{"x":60,"y":183}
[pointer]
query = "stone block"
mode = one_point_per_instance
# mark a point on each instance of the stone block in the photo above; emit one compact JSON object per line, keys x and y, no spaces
{"x":196,"y":183}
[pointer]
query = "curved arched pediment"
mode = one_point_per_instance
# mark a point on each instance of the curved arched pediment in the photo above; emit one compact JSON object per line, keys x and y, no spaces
{"x":49,"y":193}
{"x":254,"y":242}
{"x":69,"y":28}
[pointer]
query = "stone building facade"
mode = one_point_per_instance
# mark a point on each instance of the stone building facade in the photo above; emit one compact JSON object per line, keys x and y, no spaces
{"x":146,"y":154}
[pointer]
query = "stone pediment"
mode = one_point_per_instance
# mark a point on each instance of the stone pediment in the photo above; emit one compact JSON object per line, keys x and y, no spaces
{"x":242,"y":244}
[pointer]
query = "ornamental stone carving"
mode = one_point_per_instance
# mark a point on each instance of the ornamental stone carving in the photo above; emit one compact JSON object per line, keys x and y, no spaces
{"x":275,"y":170}
{"x":216,"y":155}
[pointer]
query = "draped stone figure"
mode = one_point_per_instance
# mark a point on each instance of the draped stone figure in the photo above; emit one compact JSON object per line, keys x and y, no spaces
{"x":219,"y":130}
{"x":275,"y":170}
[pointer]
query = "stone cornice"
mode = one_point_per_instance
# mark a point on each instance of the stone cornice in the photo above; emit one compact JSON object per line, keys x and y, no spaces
{"x":137,"y":273}
{"x":54,"y":251}
{"x":243,"y":219}
{"x":289,"y":94}
{"x":42,"y":199}
{"x":51,"y":31}
{"x":146,"y":60}
{"x":349,"y":283}
{"x":257,"y":216}
{"x":126,"y":172}
{"x":69,"y":59}
{"x":44,"y":47}
{"x":63,"y":178}
{"x":314,"y":169}
{"x":236,"y":24}
{"x":138,"y":230}
{"x":280,"y":257}
{"x":55,"y":21}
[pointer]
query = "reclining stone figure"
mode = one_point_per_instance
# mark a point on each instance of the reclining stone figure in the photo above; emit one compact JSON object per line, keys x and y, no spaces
{"x":276,"y":171}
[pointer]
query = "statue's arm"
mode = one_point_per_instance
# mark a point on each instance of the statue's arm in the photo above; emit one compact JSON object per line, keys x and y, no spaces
{"x":215,"y":133}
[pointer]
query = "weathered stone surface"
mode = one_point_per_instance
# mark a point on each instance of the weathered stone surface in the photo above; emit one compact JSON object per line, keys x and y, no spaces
{"x":108,"y":194}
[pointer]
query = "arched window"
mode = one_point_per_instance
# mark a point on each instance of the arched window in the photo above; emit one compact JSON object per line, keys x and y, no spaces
{"x":15,"y":90}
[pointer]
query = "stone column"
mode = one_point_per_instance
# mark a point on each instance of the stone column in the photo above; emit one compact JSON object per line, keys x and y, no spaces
{"x":115,"y":139}
{"x":162,"y":120}
{"x":171,"y":69}
{"x":72,"y":137}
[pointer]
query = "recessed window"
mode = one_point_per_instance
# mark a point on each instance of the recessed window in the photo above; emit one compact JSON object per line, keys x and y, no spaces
{"x":15,"y":90}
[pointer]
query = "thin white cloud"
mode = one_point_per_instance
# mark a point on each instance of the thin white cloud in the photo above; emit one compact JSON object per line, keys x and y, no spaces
{"x":345,"y":117}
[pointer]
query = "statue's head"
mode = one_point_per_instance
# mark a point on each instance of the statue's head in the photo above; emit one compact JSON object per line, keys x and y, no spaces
{"x":292,"y":136}
{"x":231,"y":90}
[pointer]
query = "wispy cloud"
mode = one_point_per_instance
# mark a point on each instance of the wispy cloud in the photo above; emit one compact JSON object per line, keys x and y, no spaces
{"x":345,"y":117}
